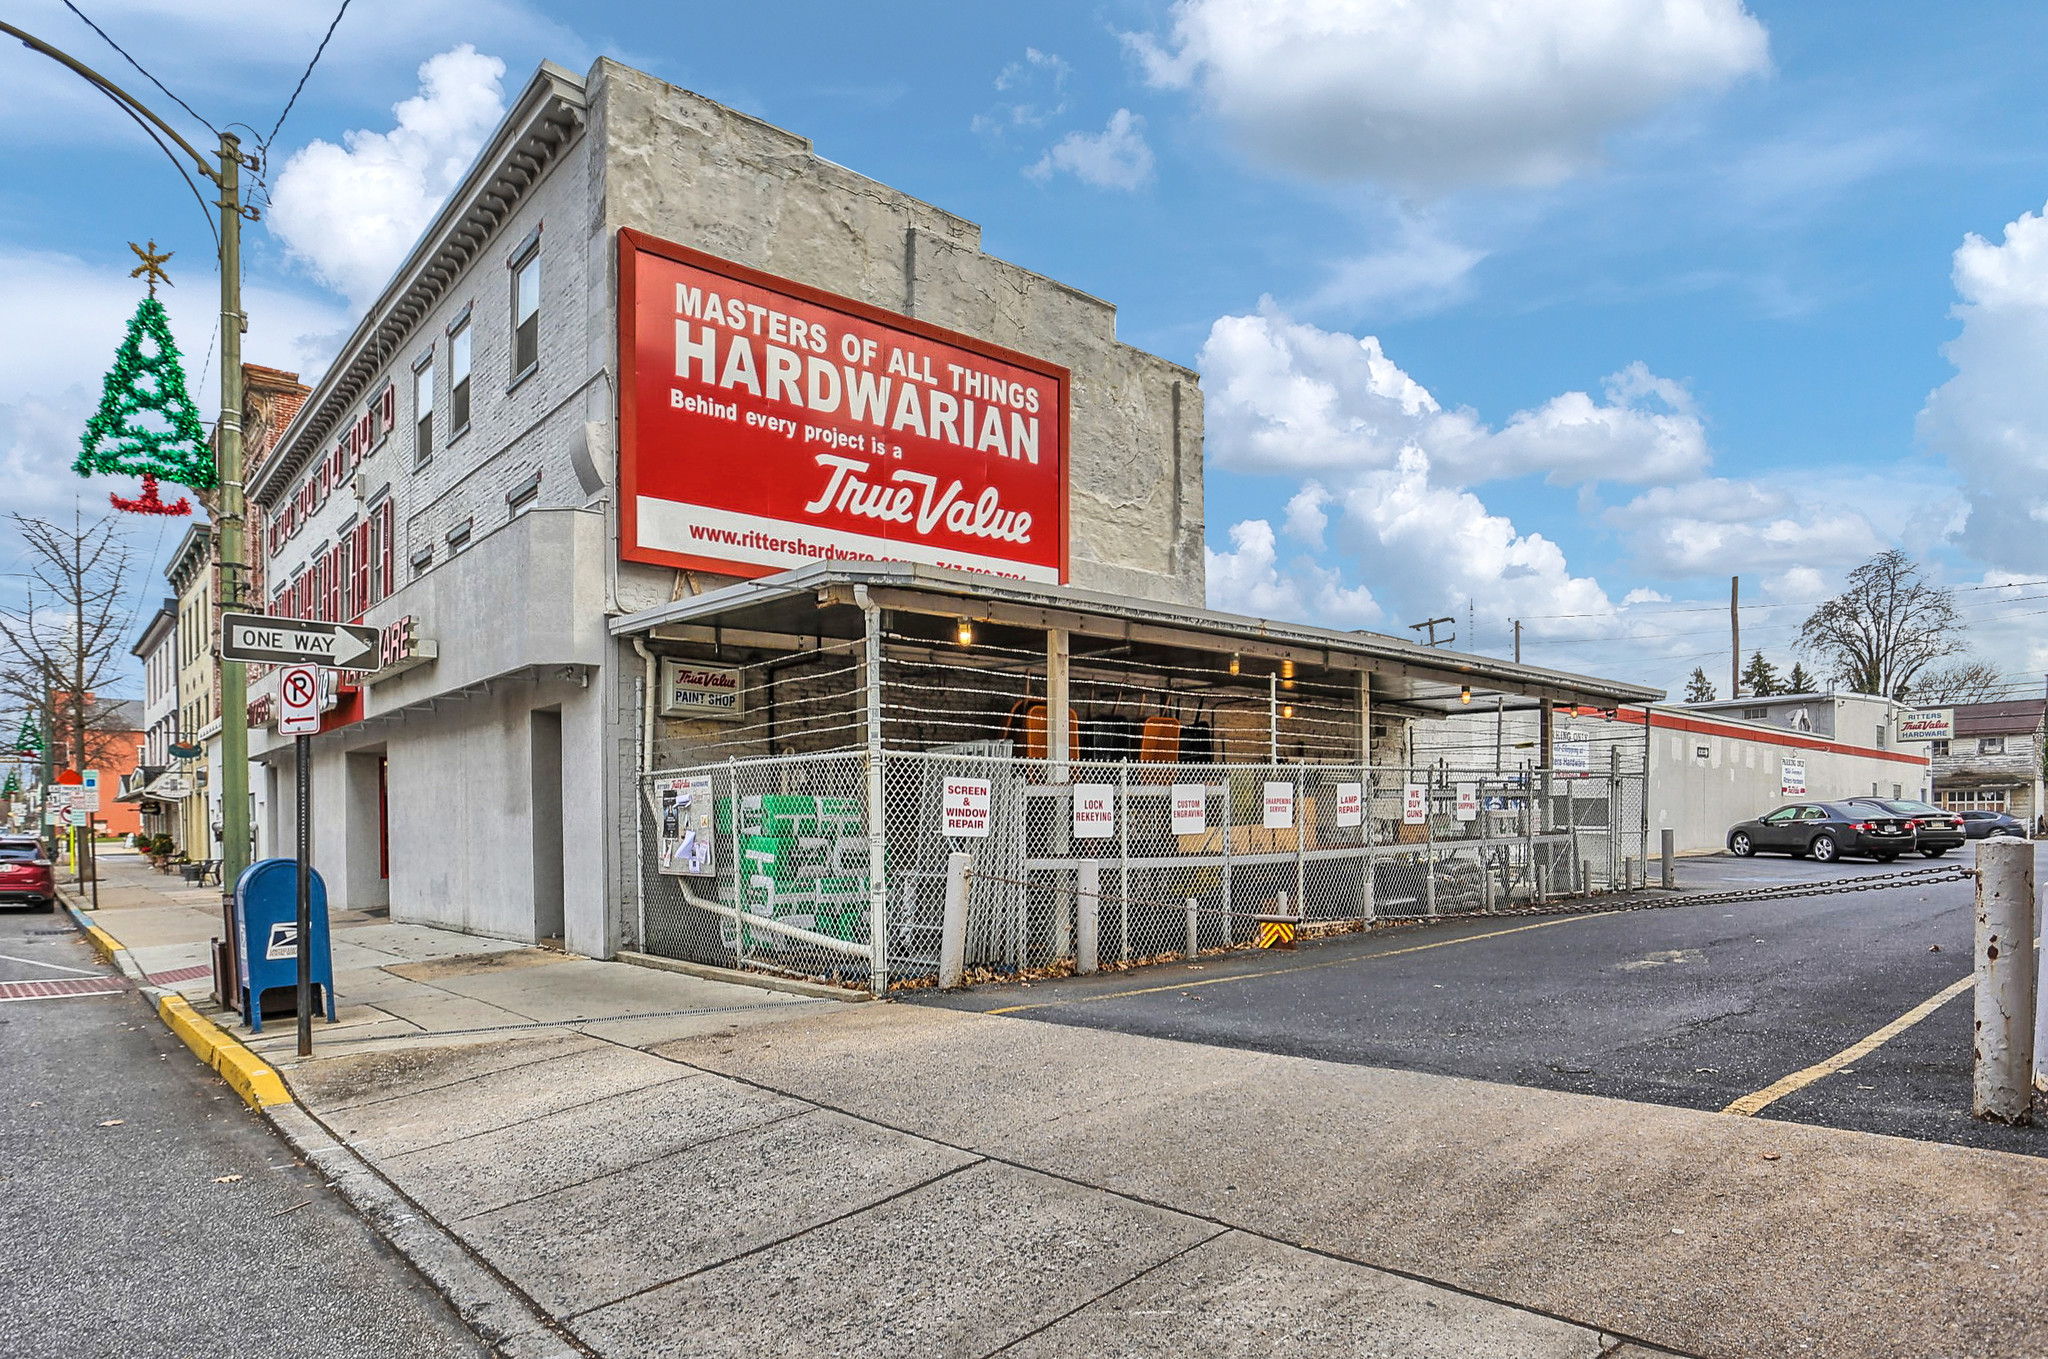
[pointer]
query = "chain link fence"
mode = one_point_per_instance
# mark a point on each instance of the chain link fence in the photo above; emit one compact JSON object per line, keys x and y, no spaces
{"x":782,"y":864}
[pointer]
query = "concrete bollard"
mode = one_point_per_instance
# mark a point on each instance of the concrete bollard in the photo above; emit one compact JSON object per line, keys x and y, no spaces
{"x":953,"y":925}
{"x":2040,"y":1009}
{"x":1087,"y":916}
{"x":1670,"y":838}
{"x":1194,"y":929}
{"x":2002,"y":1088}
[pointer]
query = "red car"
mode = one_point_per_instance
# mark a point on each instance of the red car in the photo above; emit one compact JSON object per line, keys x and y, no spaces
{"x":26,"y":874}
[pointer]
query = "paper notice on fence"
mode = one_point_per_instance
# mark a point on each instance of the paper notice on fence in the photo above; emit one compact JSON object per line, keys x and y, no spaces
{"x":1190,"y":809}
{"x":966,"y":808}
{"x":1414,"y":804}
{"x":1279,"y":803}
{"x":1094,"y":811}
{"x":1350,"y":804}
{"x":685,"y":841}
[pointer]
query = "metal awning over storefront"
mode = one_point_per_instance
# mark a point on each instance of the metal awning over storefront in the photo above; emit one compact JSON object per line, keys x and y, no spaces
{"x":813,"y":605}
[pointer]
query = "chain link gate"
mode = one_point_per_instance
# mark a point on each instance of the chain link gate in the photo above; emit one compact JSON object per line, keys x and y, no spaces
{"x":766,"y":864}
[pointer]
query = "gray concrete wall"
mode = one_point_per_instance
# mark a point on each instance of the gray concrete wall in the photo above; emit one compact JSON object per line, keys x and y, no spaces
{"x":686,"y":169}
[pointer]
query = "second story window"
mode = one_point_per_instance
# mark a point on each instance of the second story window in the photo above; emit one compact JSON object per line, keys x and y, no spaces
{"x":526,"y":312}
{"x":1937,"y":747}
{"x":423,"y":408}
{"x":458,"y":379}
{"x":1991,"y":745}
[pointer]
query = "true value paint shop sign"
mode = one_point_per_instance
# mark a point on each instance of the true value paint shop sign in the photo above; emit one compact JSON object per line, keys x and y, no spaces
{"x":765,"y":425}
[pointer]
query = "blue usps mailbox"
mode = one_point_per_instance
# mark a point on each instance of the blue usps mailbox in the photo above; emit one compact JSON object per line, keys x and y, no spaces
{"x":267,"y":919}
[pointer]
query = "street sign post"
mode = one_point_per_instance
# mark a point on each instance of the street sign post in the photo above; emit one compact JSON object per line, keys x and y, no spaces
{"x":298,"y":716}
{"x":296,"y":641}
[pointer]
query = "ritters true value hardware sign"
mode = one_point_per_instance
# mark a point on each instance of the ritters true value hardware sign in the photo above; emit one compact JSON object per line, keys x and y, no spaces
{"x":765,"y":425}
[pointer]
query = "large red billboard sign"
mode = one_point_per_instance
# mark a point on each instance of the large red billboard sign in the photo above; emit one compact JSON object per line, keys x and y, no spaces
{"x":765,"y":425}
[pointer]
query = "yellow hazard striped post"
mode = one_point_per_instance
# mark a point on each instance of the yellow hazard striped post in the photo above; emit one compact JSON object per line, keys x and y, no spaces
{"x":1277,"y":931}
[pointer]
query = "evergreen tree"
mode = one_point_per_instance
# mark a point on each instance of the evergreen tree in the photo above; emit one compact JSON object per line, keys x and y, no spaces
{"x":1799,"y":682}
{"x":146,"y":425}
{"x":1699,"y":689}
{"x":1760,"y":677}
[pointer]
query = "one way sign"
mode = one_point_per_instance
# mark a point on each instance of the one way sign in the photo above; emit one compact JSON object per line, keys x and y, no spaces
{"x":296,"y":641}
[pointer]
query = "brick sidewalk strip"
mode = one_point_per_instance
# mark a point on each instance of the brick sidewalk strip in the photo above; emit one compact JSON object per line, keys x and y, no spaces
{"x":180,"y":974}
{"x":53,"y":990}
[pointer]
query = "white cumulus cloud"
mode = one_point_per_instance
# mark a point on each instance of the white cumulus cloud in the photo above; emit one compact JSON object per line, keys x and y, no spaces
{"x":1251,"y":579}
{"x":1115,"y":158}
{"x":1283,"y":395}
{"x":351,"y":212}
{"x":1991,"y":418}
{"x":1448,"y":92}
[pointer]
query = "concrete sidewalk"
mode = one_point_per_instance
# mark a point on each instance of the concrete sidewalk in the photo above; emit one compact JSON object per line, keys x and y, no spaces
{"x":663,"y":1165}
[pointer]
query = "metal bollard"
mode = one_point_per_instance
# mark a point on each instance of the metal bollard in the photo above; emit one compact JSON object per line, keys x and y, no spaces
{"x":2002,"y":1086}
{"x":1087,"y":916}
{"x":1194,"y":930}
{"x":1670,"y":838}
{"x":953,"y":925}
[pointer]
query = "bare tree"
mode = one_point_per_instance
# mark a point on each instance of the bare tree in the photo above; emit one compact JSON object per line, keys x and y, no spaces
{"x":1885,"y":628}
{"x":1971,"y":681}
{"x":67,"y":638}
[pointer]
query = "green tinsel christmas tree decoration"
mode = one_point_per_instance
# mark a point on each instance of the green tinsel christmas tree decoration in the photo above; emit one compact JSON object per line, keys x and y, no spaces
{"x":12,"y":788}
{"x":30,"y":740}
{"x":147,"y":379}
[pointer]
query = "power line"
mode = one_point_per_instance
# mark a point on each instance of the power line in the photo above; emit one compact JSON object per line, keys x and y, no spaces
{"x":265,"y":143}
{"x":138,"y":66}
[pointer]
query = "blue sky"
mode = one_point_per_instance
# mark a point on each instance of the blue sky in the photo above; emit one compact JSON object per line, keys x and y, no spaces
{"x":1555,"y":311}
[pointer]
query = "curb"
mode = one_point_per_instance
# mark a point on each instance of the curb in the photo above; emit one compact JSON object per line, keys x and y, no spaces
{"x":510,"y":1323}
{"x":248,"y":1075}
{"x":760,"y":981}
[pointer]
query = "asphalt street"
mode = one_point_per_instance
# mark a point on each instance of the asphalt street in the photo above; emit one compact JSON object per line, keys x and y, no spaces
{"x":1689,"y":1005}
{"x":144,"y":1210}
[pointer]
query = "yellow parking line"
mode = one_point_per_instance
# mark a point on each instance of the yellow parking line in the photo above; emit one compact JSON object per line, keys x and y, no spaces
{"x":1303,"y":967}
{"x":1748,"y":1105}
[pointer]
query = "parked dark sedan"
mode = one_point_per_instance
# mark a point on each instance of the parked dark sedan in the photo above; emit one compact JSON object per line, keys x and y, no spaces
{"x":1984,"y":825}
{"x":1825,"y":830}
{"x":1935,"y":831}
{"x":25,"y":875}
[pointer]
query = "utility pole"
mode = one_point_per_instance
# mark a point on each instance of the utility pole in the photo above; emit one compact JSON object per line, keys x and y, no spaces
{"x":227,"y":533}
{"x":1735,"y":636}
{"x":1518,"y":641}
{"x":227,"y":444}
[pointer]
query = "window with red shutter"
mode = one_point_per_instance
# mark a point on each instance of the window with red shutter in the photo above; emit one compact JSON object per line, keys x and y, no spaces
{"x":360,"y":551}
{"x":390,"y":545}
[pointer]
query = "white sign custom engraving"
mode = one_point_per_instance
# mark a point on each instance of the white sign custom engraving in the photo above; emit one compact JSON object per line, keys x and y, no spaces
{"x":1190,"y":809}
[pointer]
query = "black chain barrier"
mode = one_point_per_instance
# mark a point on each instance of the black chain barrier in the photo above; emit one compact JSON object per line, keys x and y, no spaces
{"x":1650,"y":899}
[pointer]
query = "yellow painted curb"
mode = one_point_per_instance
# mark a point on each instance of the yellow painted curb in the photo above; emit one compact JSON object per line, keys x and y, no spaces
{"x":104,"y":944}
{"x":249,"y":1074}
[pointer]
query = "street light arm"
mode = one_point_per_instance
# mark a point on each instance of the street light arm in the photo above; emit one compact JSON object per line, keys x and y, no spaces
{"x":125,"y":98}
